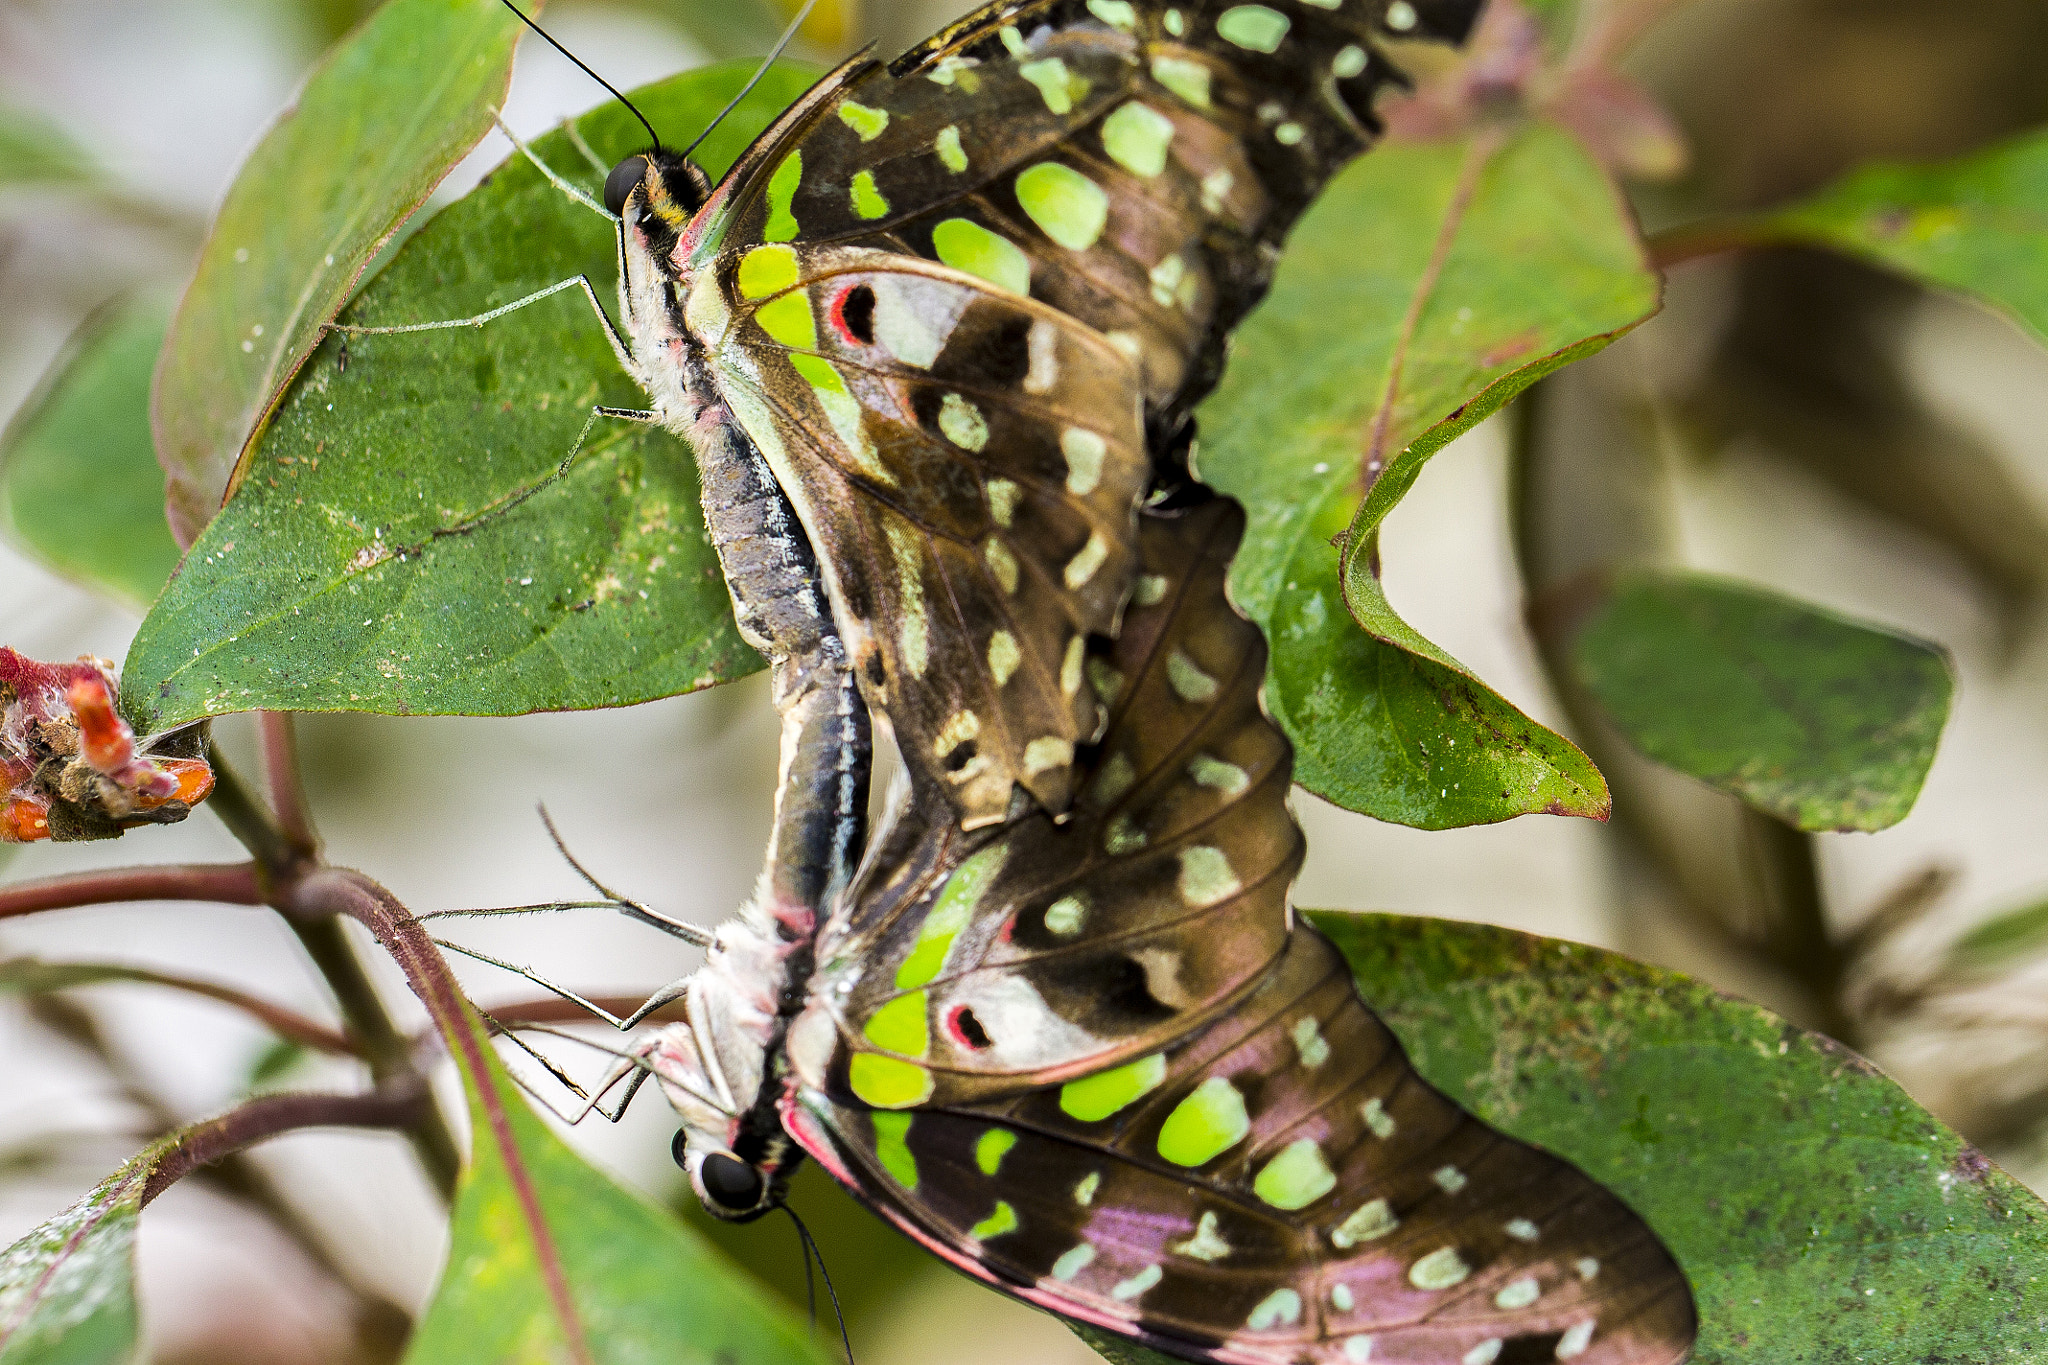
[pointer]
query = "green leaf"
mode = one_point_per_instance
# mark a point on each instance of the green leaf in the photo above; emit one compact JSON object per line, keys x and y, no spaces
{"x":532,"y":1219}
{"x":373,"y":560}
{"x":1977,"y":225}
{"x":1823,"y":722}
{"x":1820,"y":1214}
{"x":385,"y":115}
{"x":2002,"y":940}
{"x":67,"y":1288}
{"x":1429,"y":284}
{"x":80,"y":488}
{"x":36,"y":151}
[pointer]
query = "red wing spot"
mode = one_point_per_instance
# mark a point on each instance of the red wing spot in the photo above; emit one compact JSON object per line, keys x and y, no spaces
{"x":1009,"y":929}
{"x":853,"y":315}
{"x":966,"y":1030}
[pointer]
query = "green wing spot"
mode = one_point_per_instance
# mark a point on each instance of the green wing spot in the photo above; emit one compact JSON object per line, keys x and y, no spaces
{"x":973,"y":248}
{"x":1098,"y":1096}
{"x":782,"y":225}
{"x":818,"y":372}
{"x":767,"y":270}
{"x":1137,"y":137}
{"x":892,"y":1148}
{"x":991,"y":1147}
{"x":951,"y":154}
{"x":1069,"y":207}
{"x":1208,"y":1123}
{"x":868,"y":201}
{"x":1252,"y":27}
{"x":789,"y":320}
{"x":1059,"y":86}
{"x":889,"y":1083}
{"x":869,"y":123}
{"x":949,"y":915}
{"x":1184,"y":77}
{"x":1003,"y":1220}
{"x":1296,"y":1178}
{"x":900,"y":1026}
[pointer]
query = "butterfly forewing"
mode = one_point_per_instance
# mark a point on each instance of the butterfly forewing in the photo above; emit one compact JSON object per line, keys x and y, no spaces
{"x":1258,"y":1175}
{"x":1134,"y":167}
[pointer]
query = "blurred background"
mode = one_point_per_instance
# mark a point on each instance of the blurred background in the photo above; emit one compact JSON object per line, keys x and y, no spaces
{"x":1791,"y":419}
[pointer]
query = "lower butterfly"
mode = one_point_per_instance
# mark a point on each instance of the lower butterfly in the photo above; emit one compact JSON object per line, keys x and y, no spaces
{"x":1101,"y":1066}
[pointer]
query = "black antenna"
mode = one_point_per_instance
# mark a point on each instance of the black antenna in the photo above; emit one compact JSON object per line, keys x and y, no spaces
{"x":592,"y":74}
{"x":812,"y":1247}
{"x":788,"y":35}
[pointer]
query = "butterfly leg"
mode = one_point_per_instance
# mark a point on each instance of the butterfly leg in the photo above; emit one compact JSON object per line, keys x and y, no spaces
{"x":620,"y":348}
{"x":553,"y":179}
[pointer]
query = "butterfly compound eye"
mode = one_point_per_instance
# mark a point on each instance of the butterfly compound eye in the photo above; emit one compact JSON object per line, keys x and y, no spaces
{"x":731,"y":1183}
{"x":621,"y":181}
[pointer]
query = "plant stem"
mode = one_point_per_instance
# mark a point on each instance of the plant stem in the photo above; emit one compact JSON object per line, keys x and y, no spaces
{"x":287,"y":788}
{"x":1796,"y":938}
{"x":270,"y":1116}
{"x":227,"y":883}
{"x":30,"y":976}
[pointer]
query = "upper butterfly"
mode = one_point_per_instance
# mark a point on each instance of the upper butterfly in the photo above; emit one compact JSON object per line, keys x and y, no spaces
{"x":959,"y":305}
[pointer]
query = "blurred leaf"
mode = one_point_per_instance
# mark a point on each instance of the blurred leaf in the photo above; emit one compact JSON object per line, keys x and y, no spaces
{"x":36,"y":151}
{"x":2002,"y":940}
{"x":80,"y":488}
{"x":380,"y":121}
{"x":277,"y":1061}
{"x":1429,"y":284}
{"x":531,"y":1215}
{"x":1818,"y":720}
{"x":361,"y":567}
{"x":1977,"y":225}
{"x":67,"y":1289}
{"x":1820,"y":1214}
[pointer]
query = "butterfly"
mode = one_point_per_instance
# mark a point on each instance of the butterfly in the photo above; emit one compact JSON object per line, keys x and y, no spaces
{"x":1100,"y":1065}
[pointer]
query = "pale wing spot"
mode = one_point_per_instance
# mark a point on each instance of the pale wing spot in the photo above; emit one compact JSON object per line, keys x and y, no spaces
{"x":951,"y":154}
{"x":1401,"y":16}
{"x":1376,"y":1117}
{"x":1518,"y":1294}
{"x":1166,"y":279}
{"x":1325,"y":4}
{"x":1575,"y":1340}
{"x":1137,"y":137}
{"x":1216,"y":187}
{"x":1184,"y":77}
{"x":865,"y":121}
{"x":1217,"y":775}
{"x":1206,"y":877}
{"x":1113,"y":779}
{"x":1189,"y":682}
{"x":948,"y":71}
{"x":1086,"y":561}
{"x":1058,"y":86}
{"x":1588,"y":1267}
{"x":1351,"y":60}
{"x":1176,"y":23}
{"x":1442,"y":1269}
{"x":1123,"y":836}
{"x":963,"y":423}
{"x":1001,"y":563}
{"x":915,"y":639}
{"x":1126,"y":1290}
{"x":1084,"y":451}
{"x":1067,"y":206}
{"x":1003,"y":656}
{"x":907,"y":326}
{"x":960,"y":727}
{"x":1254,"y":28}
{"x":1372,"y":1219}
{"x":1116,"y":13}
{"x":1149,"y":590}
{"x":1126,"y":344}
{"x":1485,"y":1353}
{"x":913,"y":635}
{"x":1084,"y":1190}
{"x":1046,"y":752}
{"x":1281,"y":1308}
{"x":1072,"y":1262}
{"x":1289,"y":134}
{"x":1003,"y":497}
{"x":1357,"y":1350}
{"x":843,"y":411}
{"x":1296,"y":1178}
{"x":1206,"y":1245}
{"x":1522,"y":1230}
{"x":1341,"y":1298}
{"x":1042,"y":346}
{"x":1070,"y":667}
{"x":868,"y":200}
{"x":1309,"y":1042}
{"x":1013,"y":41}
{"x":1064,"y":917}
{"x":1450,"y":1179}
{"x":1106,"y":681}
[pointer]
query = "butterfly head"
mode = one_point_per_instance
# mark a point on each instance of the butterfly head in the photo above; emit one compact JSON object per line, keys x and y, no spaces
{"x":660,"y":184}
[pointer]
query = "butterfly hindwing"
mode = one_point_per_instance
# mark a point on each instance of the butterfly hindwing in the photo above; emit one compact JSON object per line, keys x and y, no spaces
{"x":995,"y":962}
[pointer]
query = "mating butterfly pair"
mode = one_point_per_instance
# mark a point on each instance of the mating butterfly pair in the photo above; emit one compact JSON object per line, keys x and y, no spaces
{"x":933,"y":340}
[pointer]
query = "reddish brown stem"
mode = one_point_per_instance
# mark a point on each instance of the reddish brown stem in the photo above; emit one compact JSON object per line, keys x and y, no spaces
{"x":31,"y":975}
{"x":1696,"y":241}
{"x":227,"y":883}
{"x":273,"y":1115}
{"x":287,"y":789}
